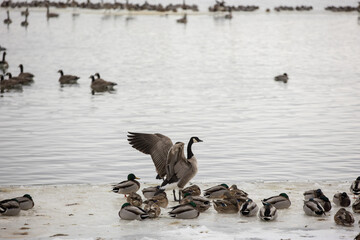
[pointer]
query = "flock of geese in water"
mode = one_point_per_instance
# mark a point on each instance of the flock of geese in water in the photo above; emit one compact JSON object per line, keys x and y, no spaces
{"x":97,"y":83}
{"x":176,"y":170}
{"x":219,"y":6}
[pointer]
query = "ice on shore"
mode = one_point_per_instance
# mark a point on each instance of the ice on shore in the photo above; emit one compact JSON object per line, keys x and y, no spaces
{"x":91,"y":211}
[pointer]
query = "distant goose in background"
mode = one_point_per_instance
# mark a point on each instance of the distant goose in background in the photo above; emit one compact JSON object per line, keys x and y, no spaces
{"x":25,"y":13}
{"x":183,"y":19}
{"x":128,"y":186}
{"x":355,"y":186}
{"x":9,"y":207}
{"x":9,"y":84}
{"x":282,"y":78}
{"x":67,"y":79}
{"x":313,"y":208}
{"x":100,"y":85}
{"x":25,"y":22}
{"x":128,"y":212}
{"x":268,"y":212}
{"x":280,"y":202}
{"x":23,"y":74}
{"x":229,"y":15}
{"x":342,"y":199}
{"x":169,"y":159}
{"x":3,"y":63}
{"x":7,"y":20}
{"x":26,"y":202}
{"x":343,"y":217}
{"x":2,"y":49}
{"x":22,"y":81}
{"x":49,"y":14}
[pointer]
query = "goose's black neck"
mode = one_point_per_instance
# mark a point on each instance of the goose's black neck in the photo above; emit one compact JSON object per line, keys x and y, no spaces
{"x":21,"y":68}
{"x":61,"y":72}
{"x":4,"y":54}
{"x":189,"y":152}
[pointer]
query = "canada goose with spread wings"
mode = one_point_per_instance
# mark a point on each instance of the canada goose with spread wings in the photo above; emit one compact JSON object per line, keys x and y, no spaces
{"x":168,"y":158}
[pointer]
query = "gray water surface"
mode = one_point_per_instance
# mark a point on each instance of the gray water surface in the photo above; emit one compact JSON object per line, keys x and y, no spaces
{"x":211,"y":78}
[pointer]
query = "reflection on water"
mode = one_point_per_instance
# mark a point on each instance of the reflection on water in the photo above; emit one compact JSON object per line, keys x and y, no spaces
{"x":212,"y":79}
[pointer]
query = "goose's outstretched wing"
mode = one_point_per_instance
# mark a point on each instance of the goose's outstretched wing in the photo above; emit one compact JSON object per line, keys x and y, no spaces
{"x":157,"y":145}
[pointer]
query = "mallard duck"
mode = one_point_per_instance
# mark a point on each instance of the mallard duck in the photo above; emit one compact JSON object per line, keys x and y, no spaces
{"x":3,"y":63}
{"x":202,"y":203}
{"x":129,"y":212}
{"x":149,"y":192}
{"x":268,"y":212}
{"x":26,"y":202}
{"x":193,"y":190}
{"x":342,"y":199}
{"x":100,"y":85}
{"x":249,"y":208}
{"x":325,"y":202}
{"x":128,"y":186}
{"x":183,"y":19}
{"x":152,"y":209}
{"x":23,"y":74}
{"x":313,"y":194}
{"x":343,"y":217}
{"x":227,"y":205}
{"x":160,"y":199}
{"x":237,"y":192}
{"x":355,"y":187}
{"x":241,"y":199}
{"x":313,"y":208}
{"x":280,"y":202}
{"x":216,"y":191}
{"x":67,"y":79}
{"x":185,"y":211}
{"x":134,"y":199}
{"x":169,"y":159}
{"x":282,"y":78}
{"x":356,"y":206}
{"x":9,"y":207}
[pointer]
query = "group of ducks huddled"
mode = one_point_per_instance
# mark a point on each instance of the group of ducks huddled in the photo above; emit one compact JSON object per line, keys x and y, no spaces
{"x":228,"y":201}
{"x":25,"y":78}
{"x":13,"y":206}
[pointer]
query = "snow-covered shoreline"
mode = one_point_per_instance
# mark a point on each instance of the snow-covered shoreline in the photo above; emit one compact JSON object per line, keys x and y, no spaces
{"x":91,"y":211}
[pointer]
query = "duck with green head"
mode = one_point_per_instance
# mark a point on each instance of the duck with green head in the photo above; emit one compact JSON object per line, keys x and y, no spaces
{"x":216,"y":191}
{"x":202,"y":203}
{"x":26,"y":202}
{"x":127,"y":186}
{"x":280,"y":202}
{"x":313,"y":208}
{"x":129,"y":212}
{"x":342,"y":199}
{"x":9,"y":207}
{"x":249,"y":208}
{"x":185,"y":211}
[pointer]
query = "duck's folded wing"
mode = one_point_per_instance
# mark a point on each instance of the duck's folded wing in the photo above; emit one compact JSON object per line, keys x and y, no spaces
{"x":157,"y":145}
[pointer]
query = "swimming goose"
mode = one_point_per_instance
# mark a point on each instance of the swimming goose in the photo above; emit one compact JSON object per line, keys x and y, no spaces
{"x":50,"y":15}
{"x":134,"y":199}
{"x":149,"y":192}
{"x":169,"y":159}
{"x":249,"y":208}
{"x":313,"y":194}
{"x":237,"y":192}
{"x":100,"y":85}
{"x":9,"y":84}
{"x":23,"y":74}
{"x":227,"y":205}
{"x":2,"y":49}
{"x":7,"y":20}
{"x":128,"y":212}
{"x":183,"y":19}
{"x":280,"y":202}
{"x":355,"y":186}
{"x":202,"y":203}
{"x":25,"y":13}
{"x":193,"y":190}
{"x":313,"y":208}
{"x":22,"y":81}
{"x":3,"y":63}
{"x":216,"y":191}
{"x":26,"y":202}
{"x":282,"y":78}
{"x":343,"y":217}
{"x":67,"y":79}
{"x":342,"y":199}
{"x":9,"y":207}
{"x":268,"y":212}
{"x":127,"y":186}
{"x":229,"y":15}
{"x":356,"y":206}
{"x":185,"y":211}
{"x":152,"y":209}
{"x":324,"y":202}
{"x":25,"y":22}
